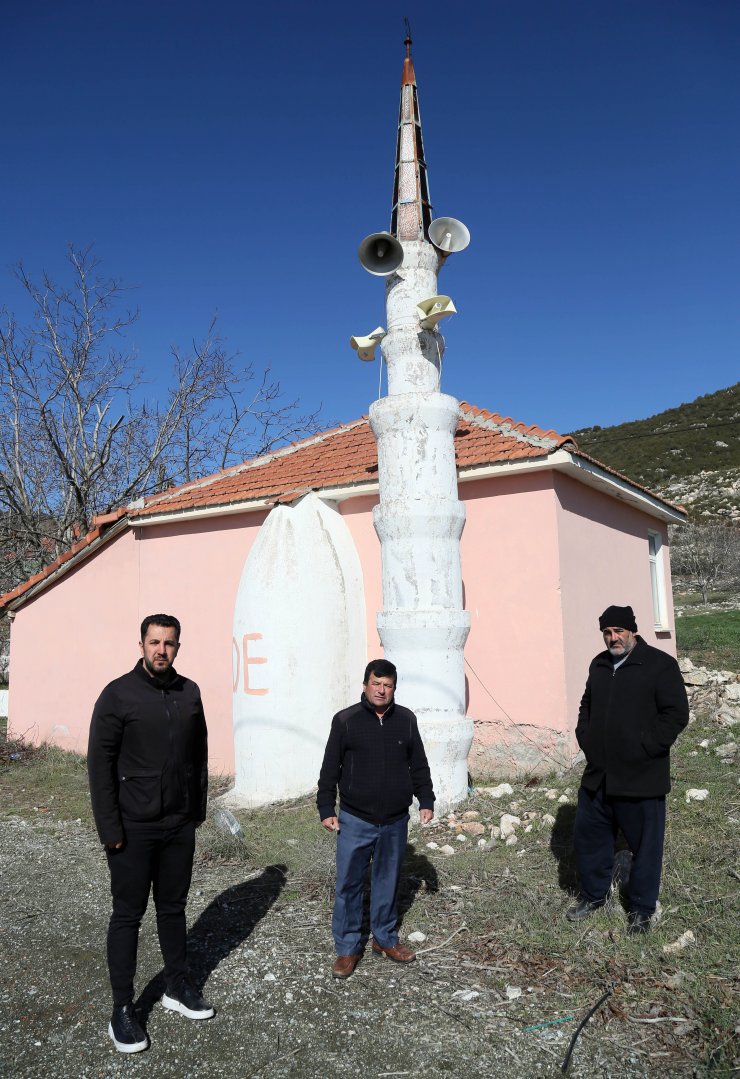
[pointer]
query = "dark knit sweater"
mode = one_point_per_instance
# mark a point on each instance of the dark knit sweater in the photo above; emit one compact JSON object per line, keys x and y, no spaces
{"x":378,"y":764}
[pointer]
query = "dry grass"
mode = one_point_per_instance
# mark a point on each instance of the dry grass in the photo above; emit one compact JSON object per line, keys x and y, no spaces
{"x":506,"y":907}
{"x":501,"y":911}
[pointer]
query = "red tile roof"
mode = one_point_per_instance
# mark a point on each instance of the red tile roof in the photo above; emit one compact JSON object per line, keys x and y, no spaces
{"x":345,"y":456}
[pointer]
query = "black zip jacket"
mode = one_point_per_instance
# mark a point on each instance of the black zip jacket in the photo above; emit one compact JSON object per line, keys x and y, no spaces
{"x":379,"y":764}
{"x":628,"y":720}
{"x":147,"y":757}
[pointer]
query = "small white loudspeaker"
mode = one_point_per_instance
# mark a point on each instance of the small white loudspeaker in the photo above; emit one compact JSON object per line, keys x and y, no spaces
{"x":430,"y":311}
{"x":448,"y":235}
{"x":365,"y":346}
{"x":380,"y":253}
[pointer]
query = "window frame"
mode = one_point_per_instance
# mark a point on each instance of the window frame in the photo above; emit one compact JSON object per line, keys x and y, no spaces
{"x":656,"y":558}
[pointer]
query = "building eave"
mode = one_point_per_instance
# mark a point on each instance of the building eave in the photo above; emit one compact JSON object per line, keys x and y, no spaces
{"x":254,"y":505}
{"x":586,"y":471}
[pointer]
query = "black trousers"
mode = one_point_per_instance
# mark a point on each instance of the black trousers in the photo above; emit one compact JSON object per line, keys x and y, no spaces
{"x":642,"y":820}
{"x":158,"y":858}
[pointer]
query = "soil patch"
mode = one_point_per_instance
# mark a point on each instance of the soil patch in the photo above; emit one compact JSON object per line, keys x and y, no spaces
{"x":261,"y":950}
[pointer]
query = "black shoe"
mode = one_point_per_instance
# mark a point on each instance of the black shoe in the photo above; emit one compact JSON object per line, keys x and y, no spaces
{"x":639,"y":922}
{"x":584,"y":908}
{"x":125,"y":1030}
{"x":185,"y":1000}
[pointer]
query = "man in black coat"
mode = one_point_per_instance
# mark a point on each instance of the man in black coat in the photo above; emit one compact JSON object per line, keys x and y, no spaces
{"x":375,"y":756}
{"x":631,"y":713}
{"x":148,"y":770}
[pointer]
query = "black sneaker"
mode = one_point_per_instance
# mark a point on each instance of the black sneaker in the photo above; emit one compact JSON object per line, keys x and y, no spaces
{"x":187,"y":1001}
{"x":125,"y":1030}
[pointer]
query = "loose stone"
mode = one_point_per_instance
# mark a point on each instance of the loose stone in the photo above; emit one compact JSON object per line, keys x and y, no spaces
{"x":695,"y":794}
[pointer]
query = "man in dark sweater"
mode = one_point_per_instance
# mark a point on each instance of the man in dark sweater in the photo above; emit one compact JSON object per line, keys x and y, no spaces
{"x":631,"y":713}
{"x":148,"y":769}
{"x":375,"y":756}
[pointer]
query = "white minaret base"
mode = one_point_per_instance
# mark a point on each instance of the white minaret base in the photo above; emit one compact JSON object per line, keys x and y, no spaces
{"x":423,"y":626}
{"x":427,"y":647}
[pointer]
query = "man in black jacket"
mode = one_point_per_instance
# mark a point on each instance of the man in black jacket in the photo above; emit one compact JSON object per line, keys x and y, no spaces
{"x":148,"y":769}
{"x":631,"y":713}
{"x":376,"y":757}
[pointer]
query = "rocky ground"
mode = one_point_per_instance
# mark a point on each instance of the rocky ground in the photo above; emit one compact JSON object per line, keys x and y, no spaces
{"x":708,"y":494}
{"x":716,"y":693}
{"x":488,"y":995}
{"x":261,"y":949}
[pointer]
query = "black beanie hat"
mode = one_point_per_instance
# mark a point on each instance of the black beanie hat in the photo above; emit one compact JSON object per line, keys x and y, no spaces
{"x":624,"y":617}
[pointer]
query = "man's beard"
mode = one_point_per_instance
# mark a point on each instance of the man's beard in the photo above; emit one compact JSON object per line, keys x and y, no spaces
{"x":157,"y":673}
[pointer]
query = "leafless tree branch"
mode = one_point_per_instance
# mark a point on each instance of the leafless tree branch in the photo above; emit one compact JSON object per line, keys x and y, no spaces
{"x":79,"y":435}
{"x":706,"y":554}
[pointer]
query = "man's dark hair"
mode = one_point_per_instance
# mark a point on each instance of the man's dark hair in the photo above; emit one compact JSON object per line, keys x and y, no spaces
{"x":167,"y":620}
{"x":381,"y":668}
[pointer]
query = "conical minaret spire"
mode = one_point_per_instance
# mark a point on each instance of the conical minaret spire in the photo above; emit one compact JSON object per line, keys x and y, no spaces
{"x":412,"y":209}
{"x":419,"y":519}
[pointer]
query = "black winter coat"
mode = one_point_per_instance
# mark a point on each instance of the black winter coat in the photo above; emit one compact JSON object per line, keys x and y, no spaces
{"x":379,"y":765}
{"x":628,"y":720}
{"x":147,"y":757}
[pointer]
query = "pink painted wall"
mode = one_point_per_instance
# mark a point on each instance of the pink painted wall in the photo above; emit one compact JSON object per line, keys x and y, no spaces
{"x":82,"y":632}
{"x":604,"y":560}
{"x":511,"y":578}
{"x":541,"y":555}
{"x":70,"y":641}
{"x":192,"y":569}
{"x":358,"y":516}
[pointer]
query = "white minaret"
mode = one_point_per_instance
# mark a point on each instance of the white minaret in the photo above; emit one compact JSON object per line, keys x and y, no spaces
{"x":420,"y":519}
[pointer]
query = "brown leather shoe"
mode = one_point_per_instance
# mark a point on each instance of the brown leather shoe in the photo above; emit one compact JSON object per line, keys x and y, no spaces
{"x":399,"y":953}
{"x":344,"y":965}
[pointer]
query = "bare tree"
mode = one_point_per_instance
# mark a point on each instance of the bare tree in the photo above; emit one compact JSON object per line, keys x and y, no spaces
{"x":78,"y":434}
{"x":707,"y":554}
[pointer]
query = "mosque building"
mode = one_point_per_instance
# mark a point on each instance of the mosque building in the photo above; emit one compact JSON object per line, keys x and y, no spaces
{"x":472,"y":550}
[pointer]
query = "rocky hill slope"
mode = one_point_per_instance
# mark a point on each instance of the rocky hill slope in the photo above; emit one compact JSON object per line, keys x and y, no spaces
{"x":689,"y":454}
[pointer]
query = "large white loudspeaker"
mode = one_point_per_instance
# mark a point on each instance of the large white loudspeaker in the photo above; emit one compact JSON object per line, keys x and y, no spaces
{"x":430,"y":311}
{"x":380,"y":253}
{"x":448,"y":235}
{"x":365,"y":346}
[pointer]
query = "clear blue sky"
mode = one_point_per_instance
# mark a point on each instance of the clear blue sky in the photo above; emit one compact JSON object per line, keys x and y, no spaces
{"x":229,"y":157}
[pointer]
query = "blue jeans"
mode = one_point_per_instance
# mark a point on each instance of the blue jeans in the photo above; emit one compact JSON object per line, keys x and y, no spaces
{"x":357,"y":843}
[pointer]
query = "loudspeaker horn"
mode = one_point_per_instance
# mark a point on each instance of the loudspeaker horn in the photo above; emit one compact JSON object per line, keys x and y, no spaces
{"x":365,"y":346}
{"x":430,"y":311}
{"x":380,"y":253}
{"x":448,"y":235}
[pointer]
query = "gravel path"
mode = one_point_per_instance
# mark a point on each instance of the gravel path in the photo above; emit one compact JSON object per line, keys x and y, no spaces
{"x":263,"y":954}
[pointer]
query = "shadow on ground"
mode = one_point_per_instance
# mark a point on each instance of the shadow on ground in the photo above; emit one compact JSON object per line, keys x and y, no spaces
{"x":417,"y":874}
{"x":561,"y":845}
{"x":226,"y":923}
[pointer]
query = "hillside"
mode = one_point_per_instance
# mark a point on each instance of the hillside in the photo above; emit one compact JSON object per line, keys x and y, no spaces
{"x":689,"y":454}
